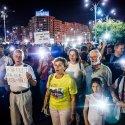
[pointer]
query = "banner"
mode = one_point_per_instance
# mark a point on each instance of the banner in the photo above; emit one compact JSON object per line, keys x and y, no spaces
{"x":42,"y":37}
{"x":16,"y":76}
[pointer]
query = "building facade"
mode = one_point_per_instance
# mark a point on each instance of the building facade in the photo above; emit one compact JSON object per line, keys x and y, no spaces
{"x":59,"y":30}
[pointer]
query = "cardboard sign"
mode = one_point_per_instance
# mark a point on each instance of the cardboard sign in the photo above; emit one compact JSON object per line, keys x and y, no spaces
{"x":42,"y":37}
{"x":16,"y":76}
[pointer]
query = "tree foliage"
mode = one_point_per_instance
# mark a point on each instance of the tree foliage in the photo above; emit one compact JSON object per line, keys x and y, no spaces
{"x":114,"y":27}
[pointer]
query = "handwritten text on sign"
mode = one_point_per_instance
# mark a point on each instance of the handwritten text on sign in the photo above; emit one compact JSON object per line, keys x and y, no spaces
{"x":16,"y":76}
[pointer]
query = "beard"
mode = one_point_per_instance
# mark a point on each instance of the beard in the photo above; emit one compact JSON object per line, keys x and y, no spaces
{"x":97,"y":62}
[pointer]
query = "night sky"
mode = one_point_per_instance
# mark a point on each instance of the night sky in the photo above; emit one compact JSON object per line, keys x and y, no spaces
{"x":66,"y":10}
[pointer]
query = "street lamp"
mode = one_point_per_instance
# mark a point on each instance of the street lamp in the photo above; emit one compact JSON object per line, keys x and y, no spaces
{"x":112,"y":12}
{"x":95,"y":7}
{"x":4,"y":16}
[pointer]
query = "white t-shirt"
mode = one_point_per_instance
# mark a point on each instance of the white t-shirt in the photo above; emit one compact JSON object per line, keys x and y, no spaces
{"x":77,"y":73}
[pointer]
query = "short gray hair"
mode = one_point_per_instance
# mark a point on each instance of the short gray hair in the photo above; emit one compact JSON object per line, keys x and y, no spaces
{"x":19,"y":51}
{"x":96,"y":51}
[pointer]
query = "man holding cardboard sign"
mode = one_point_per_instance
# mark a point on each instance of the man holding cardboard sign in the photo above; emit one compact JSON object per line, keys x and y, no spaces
{"x":19,"y":78}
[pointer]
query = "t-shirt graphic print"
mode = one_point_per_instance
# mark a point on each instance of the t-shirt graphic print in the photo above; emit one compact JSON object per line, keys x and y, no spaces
{"x":57,"y":92}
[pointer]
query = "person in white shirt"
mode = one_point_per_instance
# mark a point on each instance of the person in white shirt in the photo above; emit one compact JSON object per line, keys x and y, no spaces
{"x":94,"y":113}
{"x":76,"y":70}
{"x":20,"y":97}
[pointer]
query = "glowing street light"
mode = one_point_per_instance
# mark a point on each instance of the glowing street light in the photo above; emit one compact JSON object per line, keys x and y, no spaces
{"x":112,"y":12}
{"x":104,"y":2}
{"x":86,"y":5}
{"x":95,"y":7}
{"x":99,"y":12}
{"x":4,"y":16}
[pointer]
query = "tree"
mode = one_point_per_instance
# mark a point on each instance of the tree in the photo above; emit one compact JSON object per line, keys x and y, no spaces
{"x":114,"y":27}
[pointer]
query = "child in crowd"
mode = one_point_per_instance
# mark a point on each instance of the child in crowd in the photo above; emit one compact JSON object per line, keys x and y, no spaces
{"x":95,"y":104}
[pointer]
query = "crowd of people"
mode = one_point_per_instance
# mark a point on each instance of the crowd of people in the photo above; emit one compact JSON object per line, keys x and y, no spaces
{"x":85,"y":86}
